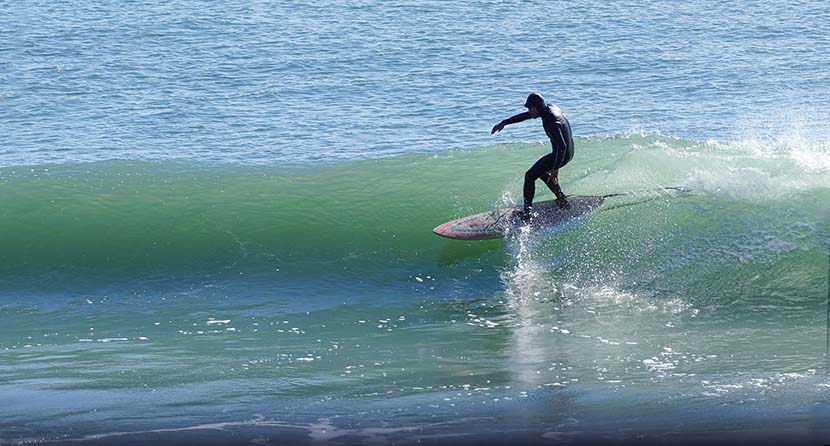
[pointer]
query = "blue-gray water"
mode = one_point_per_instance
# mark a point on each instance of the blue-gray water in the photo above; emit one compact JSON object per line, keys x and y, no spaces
{"x":215,"y":223}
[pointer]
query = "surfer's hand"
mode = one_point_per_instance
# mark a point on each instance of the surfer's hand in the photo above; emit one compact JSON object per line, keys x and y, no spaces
{"x":563,"y":203}
{"x":497,"y":128}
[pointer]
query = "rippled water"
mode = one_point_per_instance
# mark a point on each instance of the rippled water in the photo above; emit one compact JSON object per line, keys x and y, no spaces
{"x":263,"y":82}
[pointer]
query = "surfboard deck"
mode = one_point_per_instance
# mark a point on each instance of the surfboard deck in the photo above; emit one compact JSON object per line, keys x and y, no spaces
{"x":500,"y":222}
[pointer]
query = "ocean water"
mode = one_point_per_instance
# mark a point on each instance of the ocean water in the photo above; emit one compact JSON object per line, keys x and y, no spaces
{"x":215,"y":223}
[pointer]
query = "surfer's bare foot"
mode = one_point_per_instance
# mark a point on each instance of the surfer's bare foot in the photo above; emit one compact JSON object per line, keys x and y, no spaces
{"x":563,"y":203}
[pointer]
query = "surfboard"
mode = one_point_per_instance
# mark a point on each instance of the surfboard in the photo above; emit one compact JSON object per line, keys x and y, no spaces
{"x":500,"y":222}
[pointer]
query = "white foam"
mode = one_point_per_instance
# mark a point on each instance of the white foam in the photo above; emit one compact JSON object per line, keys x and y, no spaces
{"x":762,"y":165}
{"x":218,"y":322}
{"x":106,"y":340}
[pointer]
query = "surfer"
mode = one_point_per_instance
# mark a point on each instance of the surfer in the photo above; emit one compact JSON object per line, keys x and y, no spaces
{"x":558,"y":129}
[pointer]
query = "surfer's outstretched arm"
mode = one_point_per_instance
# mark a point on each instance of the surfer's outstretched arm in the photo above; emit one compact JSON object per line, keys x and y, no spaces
{"x":511,"y":120}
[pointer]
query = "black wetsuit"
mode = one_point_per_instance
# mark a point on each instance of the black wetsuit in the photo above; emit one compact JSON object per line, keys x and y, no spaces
{"x":558,"y":130}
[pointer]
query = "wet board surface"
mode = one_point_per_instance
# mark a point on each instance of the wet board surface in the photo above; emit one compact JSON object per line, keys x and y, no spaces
{"x":500,"y":222}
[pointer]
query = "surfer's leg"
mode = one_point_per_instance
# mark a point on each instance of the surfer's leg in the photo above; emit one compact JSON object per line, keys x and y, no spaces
{"x":538,"y":170}
{"x":551,"y":179}
{"x":529,"y":189}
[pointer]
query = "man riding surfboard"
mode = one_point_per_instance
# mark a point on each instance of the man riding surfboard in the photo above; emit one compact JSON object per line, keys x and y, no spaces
{"x":558,"y":129}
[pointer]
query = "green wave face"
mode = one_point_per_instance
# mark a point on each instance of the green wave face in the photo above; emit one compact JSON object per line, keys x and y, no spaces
{"x":72,"y":226}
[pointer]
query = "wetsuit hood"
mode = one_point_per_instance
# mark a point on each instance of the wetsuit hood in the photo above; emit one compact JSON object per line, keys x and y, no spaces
{"x":536,"y":100}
